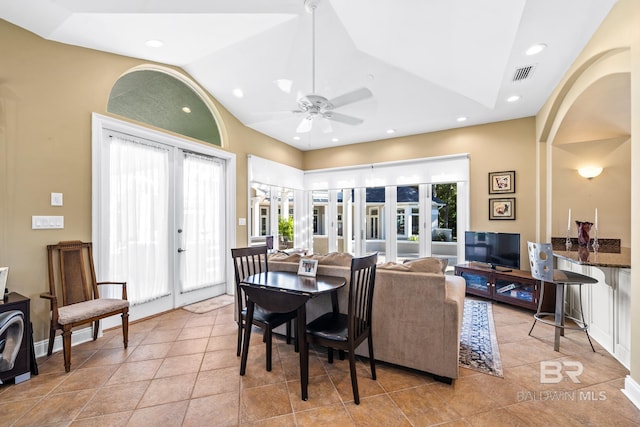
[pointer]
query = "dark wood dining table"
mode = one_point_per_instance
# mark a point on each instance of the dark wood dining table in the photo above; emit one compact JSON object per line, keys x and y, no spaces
{"x":282,"y":292}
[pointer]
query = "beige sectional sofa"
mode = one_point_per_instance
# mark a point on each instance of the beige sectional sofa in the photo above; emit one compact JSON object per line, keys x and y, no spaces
{"x":417,"y":311}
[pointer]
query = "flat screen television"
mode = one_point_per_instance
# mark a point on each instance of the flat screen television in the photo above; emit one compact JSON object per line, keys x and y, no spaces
{"x":498,"y":250}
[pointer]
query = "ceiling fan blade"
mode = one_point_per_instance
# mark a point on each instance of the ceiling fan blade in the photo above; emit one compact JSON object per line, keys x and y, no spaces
{"x":342,"y":118}
{"x":305,"y":125}
{"x":351,"y":97}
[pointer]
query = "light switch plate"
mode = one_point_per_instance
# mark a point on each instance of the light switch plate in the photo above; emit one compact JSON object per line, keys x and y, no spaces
{"x":46,"y":222}
{"x":56,"y":199}
{"x":242,"y":221}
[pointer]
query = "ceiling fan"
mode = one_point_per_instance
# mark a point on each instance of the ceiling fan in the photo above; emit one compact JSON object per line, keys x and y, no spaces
{"x":315,"y":106}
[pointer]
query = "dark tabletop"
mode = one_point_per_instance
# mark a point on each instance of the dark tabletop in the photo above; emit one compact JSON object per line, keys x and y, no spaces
{"x":292,"y":282}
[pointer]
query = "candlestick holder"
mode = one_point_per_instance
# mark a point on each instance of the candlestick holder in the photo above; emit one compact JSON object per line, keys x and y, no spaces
{"x":595,"y":245}
{"x":567,"y":241}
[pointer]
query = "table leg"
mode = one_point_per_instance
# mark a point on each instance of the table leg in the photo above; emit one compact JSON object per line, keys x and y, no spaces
{"x":559,"y":316}
{"x":301,"y":322}
{"x":247,"y":336}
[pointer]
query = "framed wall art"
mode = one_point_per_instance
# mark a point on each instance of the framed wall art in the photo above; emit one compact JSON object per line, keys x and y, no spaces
{"x":504,"y":208}
{"x":502,"y":182}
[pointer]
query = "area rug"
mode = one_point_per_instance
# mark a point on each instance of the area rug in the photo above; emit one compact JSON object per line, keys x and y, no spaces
{"x":478,"y":344}
{"x":210,"y":304}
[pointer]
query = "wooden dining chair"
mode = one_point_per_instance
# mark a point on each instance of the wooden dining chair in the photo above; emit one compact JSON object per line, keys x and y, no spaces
{"x":346,"y":332}
{"x":74,"y":297}
{"x":248,"y":261}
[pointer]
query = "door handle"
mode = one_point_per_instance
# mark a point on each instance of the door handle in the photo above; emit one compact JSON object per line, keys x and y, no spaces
{"x":180,"y":250}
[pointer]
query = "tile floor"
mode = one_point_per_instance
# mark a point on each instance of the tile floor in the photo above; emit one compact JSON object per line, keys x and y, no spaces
{"x":181,"y":369}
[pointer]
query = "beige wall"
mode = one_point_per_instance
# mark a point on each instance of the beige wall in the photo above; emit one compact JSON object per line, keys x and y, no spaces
{"x":613,"y":51}
{"x":47,"y":94}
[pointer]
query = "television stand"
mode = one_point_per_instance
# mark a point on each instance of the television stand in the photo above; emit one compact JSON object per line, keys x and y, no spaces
{"x":511,"y":286}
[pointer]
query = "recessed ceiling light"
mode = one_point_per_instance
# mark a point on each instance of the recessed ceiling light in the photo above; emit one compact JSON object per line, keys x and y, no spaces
{"x":296,"y":138}
{"x":334,"y":140}
{"x":284,"y":85}
{"x":461,"y":119}
{"x":513,"y":98}
{"x":390,"y":131}
{"x":154,"y":43}
{"x":186,"y":109}
{"x":238,"y":93}
{"x":535,"y":49}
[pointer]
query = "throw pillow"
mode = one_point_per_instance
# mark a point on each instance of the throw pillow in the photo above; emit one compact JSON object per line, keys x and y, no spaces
{"x":334,"y":258}
{"x":284,"y":257}
{"x":393,"y":266}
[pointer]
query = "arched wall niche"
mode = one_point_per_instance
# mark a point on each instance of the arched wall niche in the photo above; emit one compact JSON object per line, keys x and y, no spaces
{"x":166,"y":99}
{"x":591,"y":125}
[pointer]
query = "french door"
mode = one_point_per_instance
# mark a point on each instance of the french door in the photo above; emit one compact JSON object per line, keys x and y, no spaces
{"x":162,"y":226}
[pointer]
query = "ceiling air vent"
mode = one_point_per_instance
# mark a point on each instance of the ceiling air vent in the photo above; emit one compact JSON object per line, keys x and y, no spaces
{"x":523,"y":73}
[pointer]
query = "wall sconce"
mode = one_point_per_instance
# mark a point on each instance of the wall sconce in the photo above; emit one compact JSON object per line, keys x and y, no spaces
{"x":590,"y":172}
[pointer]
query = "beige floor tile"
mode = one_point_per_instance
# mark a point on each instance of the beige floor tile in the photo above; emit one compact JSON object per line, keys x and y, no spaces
{"x":178,"y":365}
{"x":150,"y":351}
{"x":217,"y":381}
{"x":423,"y":407}
{"x":332,"y":415}
{"x":84,"y":378}
{"x":109,"y":420}
{"x":220,"y":359}
{"x":56,"y":408}
{"x":268,"y":401}
{"x":169,"y":389}
{"x":135,"y":371}
{"x":114,"y":399}
{"x":219,"y":410}
{"x":165,"y":415}
{"x":379,"y":410}
{"x":198,"y":345}
{"x":195,"y":332}
{"x":321,"y":393}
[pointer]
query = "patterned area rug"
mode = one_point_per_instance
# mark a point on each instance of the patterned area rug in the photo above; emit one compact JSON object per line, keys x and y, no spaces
{"x":478,"y":344}
{"x":210,"y":304}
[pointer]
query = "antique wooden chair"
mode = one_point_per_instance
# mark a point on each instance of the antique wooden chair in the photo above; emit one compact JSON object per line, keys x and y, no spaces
{"x":248,"y":261}
{"x":73,"y":293}
{"x":348,"y":331}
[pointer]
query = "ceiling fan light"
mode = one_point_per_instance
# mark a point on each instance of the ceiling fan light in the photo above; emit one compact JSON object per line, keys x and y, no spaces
{"x":284,"y":85}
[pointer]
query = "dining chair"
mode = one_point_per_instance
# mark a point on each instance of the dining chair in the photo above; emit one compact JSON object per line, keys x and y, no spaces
{"x":346,"y":332}
{"x":248,"y":261}
{"x":541,"y":263}
{"x":74,"y":296}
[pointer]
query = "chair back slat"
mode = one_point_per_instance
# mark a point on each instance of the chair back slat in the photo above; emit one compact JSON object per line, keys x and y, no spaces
{"x":541,"y":261}
{"x":73,"y":273}
{"x":363,"y":274}
{"x":248,"y":261}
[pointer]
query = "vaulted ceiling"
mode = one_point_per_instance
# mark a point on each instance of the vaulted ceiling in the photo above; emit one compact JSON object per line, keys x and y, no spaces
{"x":425,"y":62}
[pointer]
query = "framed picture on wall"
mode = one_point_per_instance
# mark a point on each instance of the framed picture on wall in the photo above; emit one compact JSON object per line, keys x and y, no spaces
{"x":504,"y":208}
{"x":502,"y":182}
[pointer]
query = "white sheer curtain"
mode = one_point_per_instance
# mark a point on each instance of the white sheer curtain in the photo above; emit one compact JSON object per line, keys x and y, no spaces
{"x":138,"y":218}
{"x":203,"y":232}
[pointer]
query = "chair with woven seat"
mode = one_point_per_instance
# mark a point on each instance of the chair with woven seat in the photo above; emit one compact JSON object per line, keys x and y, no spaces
{"x":345,"y":332}
{"x":246,"y":262}
{"x":541,"y":263}
{"x":74,"y":296}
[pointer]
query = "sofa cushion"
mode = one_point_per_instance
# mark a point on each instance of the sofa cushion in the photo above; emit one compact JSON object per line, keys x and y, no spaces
{"x":393,"y":266}
{"x":426,"y":265}
{"x":334,"y":258}
{"x":284,"y":257}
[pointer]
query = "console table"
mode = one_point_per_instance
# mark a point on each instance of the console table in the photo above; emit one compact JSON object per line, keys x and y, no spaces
{"x":24,"y":362}
{"x":515,"y":287}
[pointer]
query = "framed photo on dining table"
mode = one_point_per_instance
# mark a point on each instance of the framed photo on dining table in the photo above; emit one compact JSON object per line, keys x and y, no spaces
{"x":308,"y":267}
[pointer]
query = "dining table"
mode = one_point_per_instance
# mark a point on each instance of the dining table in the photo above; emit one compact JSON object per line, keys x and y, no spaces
{"x":282,"y":292}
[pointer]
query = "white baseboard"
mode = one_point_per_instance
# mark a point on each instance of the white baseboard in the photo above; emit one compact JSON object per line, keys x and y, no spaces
{"x":632,"y":390}
{"x":77,"y":337}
